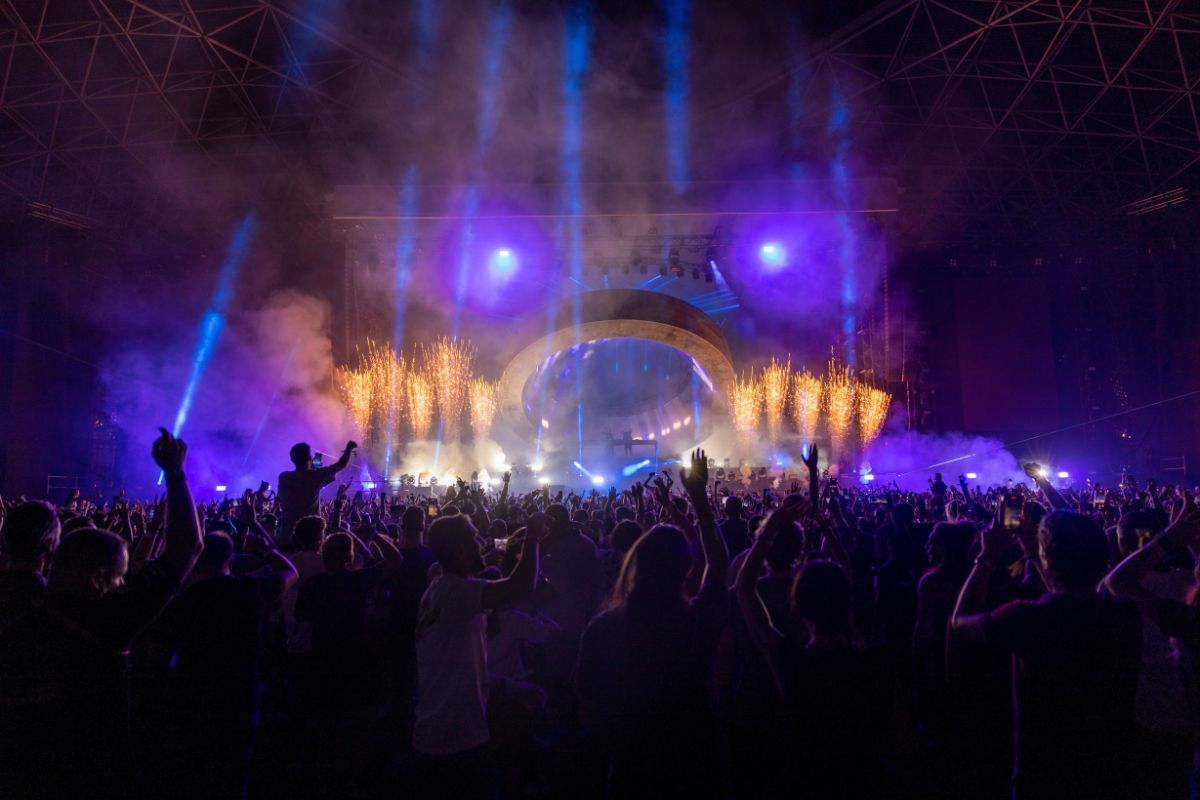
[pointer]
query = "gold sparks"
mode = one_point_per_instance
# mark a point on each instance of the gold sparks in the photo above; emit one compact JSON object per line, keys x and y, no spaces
{"x":806,"y":404}
{"x":420,"y":403}
{"x":872,"y":413}
{"x":387,"y":394}
{"x":839,"y":404}
{"x":773,"y":387}
{"x":355,"y":388}
{"x":746,"y":406}
{"x":448,"y":366}
{"x":483,"y":406}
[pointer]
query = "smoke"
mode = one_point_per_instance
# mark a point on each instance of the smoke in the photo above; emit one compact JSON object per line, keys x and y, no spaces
{"x":266,"y":388}
{"x":450,"y":460}
{"x":269,"y":382}
{"x":911,"y":458}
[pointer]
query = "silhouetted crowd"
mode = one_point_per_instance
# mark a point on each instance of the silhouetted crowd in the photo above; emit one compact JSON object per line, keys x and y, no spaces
{"x":682,"y":638}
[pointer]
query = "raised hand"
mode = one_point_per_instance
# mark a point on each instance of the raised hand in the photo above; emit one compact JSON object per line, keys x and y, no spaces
{"x":810,"y":460}
{"x":996,"y":538}
{"x":168,"y":452}
{"x":695,"y":478}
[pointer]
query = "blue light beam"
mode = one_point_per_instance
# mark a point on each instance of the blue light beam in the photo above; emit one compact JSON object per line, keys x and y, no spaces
{"x":214,"y":317}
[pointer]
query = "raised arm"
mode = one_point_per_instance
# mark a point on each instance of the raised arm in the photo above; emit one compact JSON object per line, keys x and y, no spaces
{"x":814,"y":477}
{"x":258,"y":540}
{"x":1056,"y":500}
{"x":343,"y":462}
{"x":1125,"y":580}
{"x":971,"y":608}
{"x":182,"y":534}
{"x":502,"y":502}
{"x":520,"y":584}
{"x":716,"y":557}
{"x":758,"y":621}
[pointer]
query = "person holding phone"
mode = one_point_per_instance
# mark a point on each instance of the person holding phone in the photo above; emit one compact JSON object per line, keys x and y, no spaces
{"x":300,"y":488}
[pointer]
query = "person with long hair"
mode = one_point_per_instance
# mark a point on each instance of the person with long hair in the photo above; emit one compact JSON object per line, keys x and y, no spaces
{"x":645,"y":662}
{"x":833,"y":696}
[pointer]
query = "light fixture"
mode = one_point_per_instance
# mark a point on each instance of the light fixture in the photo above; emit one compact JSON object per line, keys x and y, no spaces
{"x":673,"y":260}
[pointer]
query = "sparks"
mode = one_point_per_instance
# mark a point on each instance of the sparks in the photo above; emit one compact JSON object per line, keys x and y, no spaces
{"x":872,"y":413}
{"x":806,"y":404}
{"x":483,"y":406}
{"x":746,"y":405}
{"x":774,"y":383}
{"x":838,"y":396}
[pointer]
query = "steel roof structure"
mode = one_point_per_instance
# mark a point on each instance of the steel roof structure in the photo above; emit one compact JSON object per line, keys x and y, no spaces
{"x":1017,"y":111}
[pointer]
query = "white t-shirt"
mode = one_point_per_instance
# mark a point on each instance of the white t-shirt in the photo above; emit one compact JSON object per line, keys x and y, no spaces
{"x":451,"y":667}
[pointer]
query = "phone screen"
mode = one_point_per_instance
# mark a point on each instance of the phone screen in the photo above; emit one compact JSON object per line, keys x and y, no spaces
{"x":500,"y":544}
{"x":1012,"y":511}
{"x":1099,"y":501}
{"x":318,"y":459}
{"x":432,"y":510}
{"x":1144,"y":535}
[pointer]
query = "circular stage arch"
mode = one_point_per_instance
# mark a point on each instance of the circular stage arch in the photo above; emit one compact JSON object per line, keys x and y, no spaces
{"x":628,"y":314}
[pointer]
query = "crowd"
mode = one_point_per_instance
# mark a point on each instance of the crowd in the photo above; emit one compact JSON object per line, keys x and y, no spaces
{"x":681,"y":638}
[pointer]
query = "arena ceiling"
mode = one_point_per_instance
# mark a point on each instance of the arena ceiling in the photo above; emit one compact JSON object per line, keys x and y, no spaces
{"x":1011,"y":113}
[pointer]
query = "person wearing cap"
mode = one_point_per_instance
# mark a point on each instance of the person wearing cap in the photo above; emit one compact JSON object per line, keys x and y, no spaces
{"x":300,"y":488}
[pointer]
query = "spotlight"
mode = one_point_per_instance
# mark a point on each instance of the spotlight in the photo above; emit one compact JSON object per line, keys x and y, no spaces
{"x":772,"y":256}
{"x":544,"y":481}
{"x":1043,"y":473}
{"x":673,"y":260}
{"x":536,"y":466}
{"x":1064,"y":474}
{"x":222,"y":488}
{"x":598,"y":480}
{"x":504,"y":261}
{"x":971,"y":476}
{"x":710,"y":256}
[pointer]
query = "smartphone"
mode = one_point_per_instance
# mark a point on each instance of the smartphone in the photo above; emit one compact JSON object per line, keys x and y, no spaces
{"x":1099,"y":500}
{"x":1144,"y":535}
{"x":432,"y":510}
{"x":500,"y":544}
{"x":880,"y":501}
{"x":318,"y":460}
{"x":1012,"y":511}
